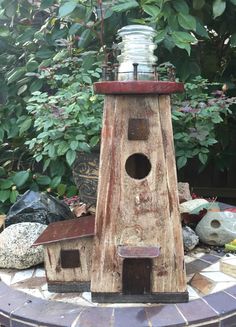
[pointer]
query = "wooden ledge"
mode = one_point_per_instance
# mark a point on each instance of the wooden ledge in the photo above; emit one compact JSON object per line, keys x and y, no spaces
{"x":138,"y":87}
{"x":138,"y":251}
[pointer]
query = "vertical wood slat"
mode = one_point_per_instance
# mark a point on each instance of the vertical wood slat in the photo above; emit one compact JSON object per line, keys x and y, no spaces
{"x":137,"y":212}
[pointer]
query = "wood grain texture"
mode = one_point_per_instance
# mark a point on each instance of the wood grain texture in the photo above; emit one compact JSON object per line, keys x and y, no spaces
{"x":138,"y":87}
{"x":137,"y":212}
{"x":54,"y":271}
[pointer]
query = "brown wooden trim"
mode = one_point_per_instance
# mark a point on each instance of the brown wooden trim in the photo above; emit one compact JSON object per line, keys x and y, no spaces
{"x":138,"y":251}
{"x":138,"y":87}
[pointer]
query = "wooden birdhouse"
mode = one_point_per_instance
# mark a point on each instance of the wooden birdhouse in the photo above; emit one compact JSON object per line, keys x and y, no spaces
{"x":68,"y":254}
{"x":138,"y":251}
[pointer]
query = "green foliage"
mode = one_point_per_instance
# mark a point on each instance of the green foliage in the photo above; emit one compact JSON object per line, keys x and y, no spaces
{"x":50,"y":51}
{"x":67,"y":117}
{"x":196,"y":119}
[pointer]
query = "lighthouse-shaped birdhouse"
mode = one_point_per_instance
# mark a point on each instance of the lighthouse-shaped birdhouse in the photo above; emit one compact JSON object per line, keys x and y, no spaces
{"x":138,"y":249}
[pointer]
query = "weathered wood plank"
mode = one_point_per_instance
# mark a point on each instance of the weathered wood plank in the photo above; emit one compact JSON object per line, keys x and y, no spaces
{"x":54,"y":271}
{"x":132,"y":211}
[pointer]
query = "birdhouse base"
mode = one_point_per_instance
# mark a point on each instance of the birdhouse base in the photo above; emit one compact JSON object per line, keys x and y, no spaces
{"x":72,"y":287}
{"x":162,"y":297}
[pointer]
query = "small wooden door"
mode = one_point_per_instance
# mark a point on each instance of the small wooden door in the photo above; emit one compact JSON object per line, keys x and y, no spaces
{"x":136,"y":276}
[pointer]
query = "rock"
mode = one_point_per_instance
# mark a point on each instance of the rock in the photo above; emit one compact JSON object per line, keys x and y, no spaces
{"x":38,"y":207}
{"x":184,"y":192}
{"x":191,"y":205}
{"x":217,"y":228}
{"x":15,"y":246}
{"x":190,"y":238}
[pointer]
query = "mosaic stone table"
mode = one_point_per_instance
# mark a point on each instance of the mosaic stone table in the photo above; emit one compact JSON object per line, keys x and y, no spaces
{"x":25,"y":301}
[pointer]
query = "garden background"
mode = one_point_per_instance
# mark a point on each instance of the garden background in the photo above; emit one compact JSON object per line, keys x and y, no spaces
{"x":51,"y":52}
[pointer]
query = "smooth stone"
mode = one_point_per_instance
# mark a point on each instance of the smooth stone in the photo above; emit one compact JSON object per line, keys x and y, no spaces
{"x":189,"y":206}
{"x":15,"y":246}
{"x":190,"y":238}
{"x":217,"y":228}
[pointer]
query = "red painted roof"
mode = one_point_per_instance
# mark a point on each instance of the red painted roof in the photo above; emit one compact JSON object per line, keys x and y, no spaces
{"x":138,"y":87}
{"x":67,"y":230}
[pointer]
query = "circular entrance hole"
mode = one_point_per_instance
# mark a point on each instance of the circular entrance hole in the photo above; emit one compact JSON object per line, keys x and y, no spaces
{"x":138,"y":166}
{"x":215,"y":223}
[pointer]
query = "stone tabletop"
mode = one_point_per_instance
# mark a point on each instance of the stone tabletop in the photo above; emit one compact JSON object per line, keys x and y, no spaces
{"x":25,"y":301}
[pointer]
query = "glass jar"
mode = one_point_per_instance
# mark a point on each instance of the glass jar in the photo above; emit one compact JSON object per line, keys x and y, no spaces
{"x":137,"y":47}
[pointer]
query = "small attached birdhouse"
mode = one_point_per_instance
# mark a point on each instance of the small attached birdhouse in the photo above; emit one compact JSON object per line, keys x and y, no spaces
{"x":68,"y":254}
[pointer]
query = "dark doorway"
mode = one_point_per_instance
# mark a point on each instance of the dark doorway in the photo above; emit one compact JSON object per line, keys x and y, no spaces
{"x":136,"y":276}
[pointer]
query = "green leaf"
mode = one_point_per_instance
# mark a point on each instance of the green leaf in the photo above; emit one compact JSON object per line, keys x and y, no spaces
{"x":22,"y":89}
{"x":188,"y":22}
{"x":43,"y":180}
{"x":11,"y":7}
{"x":233,"y":2}
{"x":67,"y":8}
{"x":83,"y":146}
{"x":46,"y":3}
{"x":44,"y":53}
{"x":34,"y":187}
{"x":203,"y":157}
{"x":94,"y":140}
{"x":178,"y":136}
{"x":57,"y":168}
{"x":218,"y":8}
{"x":183,"y":37}
{"x":21,"y":177}
{"x":61,"y":189}
{"x":201,"y":30}
{"x":74,"y":28}
{"x":4,"y":195}
{"x":62,"y":148}
{"x":183,"y":45}
{"x":181,"y":6}
{"x":125,"y":5}
{"x":32,"y":65}
{"x":2,"y":171}
{"x":55,"y":181}
{"x":198,"y":4}
{"x":13,"y":196}
{"x":71,"y":191}
{"x":74,"y":145}
{"x":70,"y":157}
{"x":25,"y":126}
{"x":85,"y":38}
{"x":86,"y":79}
{"x":46,"y":164}
{"x":36,"y":85}
{"x":4,"y":31}
{"x":15,"y":74}
{"x":233,"y":40}
{"x":181,"y":162}
{"x":160,"y":36}
{"x":151,"y":10}
{"x":51,"y":150}
{"x":1,"y":134}
{"x":6,"y":184}
{"x":39,"y":157}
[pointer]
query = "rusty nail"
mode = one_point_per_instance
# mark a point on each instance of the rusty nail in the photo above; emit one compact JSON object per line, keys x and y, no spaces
{"x":135,"y":72}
